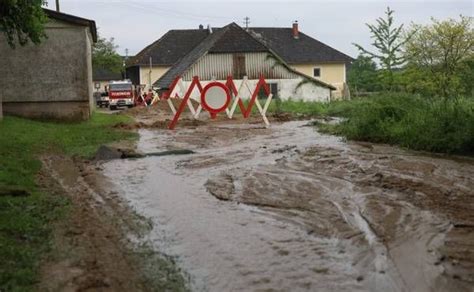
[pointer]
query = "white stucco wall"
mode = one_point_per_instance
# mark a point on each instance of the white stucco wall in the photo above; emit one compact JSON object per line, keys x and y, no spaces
{"x":287,"y":89}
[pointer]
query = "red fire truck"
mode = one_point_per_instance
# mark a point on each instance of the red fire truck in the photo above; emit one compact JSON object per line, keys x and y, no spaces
{"x":120,"y":94}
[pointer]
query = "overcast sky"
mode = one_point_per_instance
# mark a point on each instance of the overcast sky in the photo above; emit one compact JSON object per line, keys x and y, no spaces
{"x":135,"y":24}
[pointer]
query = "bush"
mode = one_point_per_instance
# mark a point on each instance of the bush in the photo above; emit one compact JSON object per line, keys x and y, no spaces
{"x":416,"y":123}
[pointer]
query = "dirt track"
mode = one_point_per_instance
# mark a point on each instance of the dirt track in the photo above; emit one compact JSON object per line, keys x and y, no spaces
{"x":285,"y":209}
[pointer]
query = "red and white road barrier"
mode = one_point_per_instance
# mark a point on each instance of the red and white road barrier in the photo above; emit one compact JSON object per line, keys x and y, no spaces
{"x":217,"y":97}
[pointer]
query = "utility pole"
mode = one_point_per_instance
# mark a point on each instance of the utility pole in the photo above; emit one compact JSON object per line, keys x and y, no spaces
{"x":57,"y":5}
{"x":124,"y":64}
{"x":246,"y":22}
{"x":149,"y":74}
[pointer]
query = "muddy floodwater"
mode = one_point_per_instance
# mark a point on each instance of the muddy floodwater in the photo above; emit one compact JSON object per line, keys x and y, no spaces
{"x":289,"y":209}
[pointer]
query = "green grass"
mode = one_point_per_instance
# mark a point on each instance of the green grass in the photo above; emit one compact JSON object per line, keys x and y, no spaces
{"x":444,"y":126}
{"x":411,"y":122}
{"x":437,"y":125}
{"x":25,"y":221}
{"x":298,"y":107}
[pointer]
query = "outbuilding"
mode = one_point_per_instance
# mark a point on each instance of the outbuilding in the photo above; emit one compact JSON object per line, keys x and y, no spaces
{"x":52,"y":80}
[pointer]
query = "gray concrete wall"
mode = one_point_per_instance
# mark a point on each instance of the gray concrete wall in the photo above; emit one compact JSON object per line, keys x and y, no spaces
{"x":64,"y":111}
{"x":58,"y":71}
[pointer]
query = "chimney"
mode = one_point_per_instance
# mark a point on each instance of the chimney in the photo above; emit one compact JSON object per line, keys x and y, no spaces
{"x":295,"y":31}
{"x":201,"y":26}
{"x":209,"y":28}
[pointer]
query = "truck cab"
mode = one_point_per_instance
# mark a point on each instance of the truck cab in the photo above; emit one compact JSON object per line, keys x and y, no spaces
{"x":120,"y":94}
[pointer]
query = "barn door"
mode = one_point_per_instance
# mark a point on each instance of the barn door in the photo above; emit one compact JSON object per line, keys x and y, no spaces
{"x":239,"y":66}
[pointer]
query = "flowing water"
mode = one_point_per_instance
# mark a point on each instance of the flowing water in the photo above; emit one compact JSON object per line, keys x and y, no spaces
{"x":289,"y":209}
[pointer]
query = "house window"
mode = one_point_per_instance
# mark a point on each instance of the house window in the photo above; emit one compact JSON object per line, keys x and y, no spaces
{"x":317,"y":72}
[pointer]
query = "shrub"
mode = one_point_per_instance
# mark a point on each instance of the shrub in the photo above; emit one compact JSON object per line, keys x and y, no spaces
{"x":410,"y":121}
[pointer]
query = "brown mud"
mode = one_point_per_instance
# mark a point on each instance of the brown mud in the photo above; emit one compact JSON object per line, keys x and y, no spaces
{"x":95,"y":247}
{"x":160,"y":116}
{"x":285,"y":208}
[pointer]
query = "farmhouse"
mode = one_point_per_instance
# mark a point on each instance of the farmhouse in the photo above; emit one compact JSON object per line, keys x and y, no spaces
{"x":54,"y":79}
{"x":296,"y":65}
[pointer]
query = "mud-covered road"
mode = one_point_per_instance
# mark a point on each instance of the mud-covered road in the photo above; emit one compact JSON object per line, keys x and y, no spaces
{"x":289,"y":209}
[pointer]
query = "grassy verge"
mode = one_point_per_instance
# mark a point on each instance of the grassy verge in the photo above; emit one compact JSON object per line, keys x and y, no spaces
{"x":298,"y":107}
{"x":25,"y":211}
{"x":409,"y":121}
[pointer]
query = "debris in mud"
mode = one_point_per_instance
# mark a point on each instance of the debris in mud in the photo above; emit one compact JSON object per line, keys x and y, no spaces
{"x":110,"y":153}
{"x":282,"y":117}
{"x":284,"y":149}
{"x":221,"y":187}
{"x":170,"y":152}
{"x":159,"y":124}
{"x":130,"y":126}
{"x":161,"y":108}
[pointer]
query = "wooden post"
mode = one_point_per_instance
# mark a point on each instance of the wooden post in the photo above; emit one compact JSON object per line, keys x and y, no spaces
{"x":149,"y":73}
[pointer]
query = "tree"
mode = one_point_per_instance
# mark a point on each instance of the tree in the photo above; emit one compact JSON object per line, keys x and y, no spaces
{"x":363,"y":75}
{"x":416,"y":80}
{"x":444,"y":48}
{"x":22,"y":21}
{"x":466,"y":75}
{"x":105,"y":56}
{"x":388,"y":42}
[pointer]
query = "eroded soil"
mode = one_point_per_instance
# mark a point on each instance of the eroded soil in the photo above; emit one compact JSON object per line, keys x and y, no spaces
{"x":98,"y":246}
{"x":287,"y":209}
